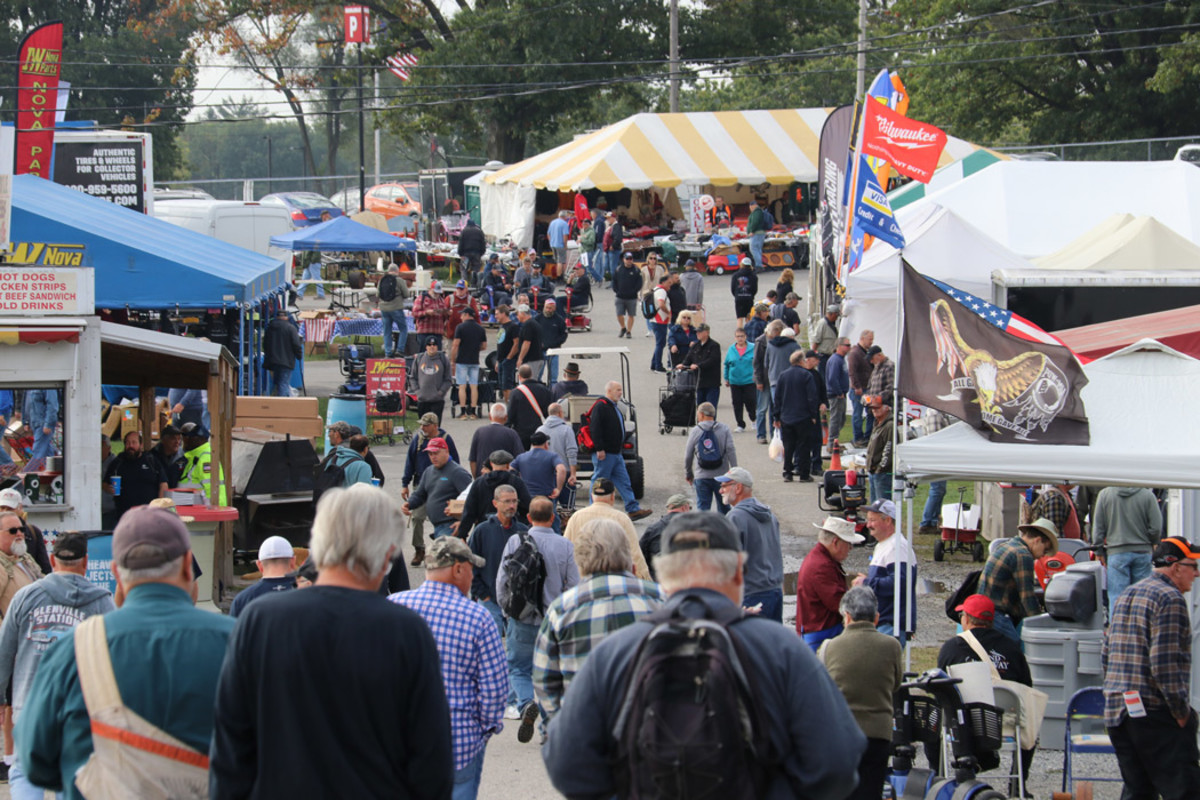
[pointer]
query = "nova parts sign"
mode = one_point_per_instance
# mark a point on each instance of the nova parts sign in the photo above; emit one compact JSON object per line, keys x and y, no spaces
{"x":38,"y":68}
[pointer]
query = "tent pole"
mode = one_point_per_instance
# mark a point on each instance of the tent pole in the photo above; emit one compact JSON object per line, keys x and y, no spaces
{"x":898,"y":427}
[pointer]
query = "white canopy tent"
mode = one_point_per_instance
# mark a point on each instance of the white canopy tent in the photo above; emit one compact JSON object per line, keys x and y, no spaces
{"x":941,"y":245}
{"x":1037,"y":207}
{"x":1133,"y":399}
{"x":1126,"y":243}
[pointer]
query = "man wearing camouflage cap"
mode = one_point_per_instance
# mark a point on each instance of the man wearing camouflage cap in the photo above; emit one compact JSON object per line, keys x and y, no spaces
{"x":414,"y":465}
{"x":651,"y":541}
{"x":474,"y":668}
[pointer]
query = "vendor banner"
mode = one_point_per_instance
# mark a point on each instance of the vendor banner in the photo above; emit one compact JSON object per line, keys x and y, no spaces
{"x":958,"y":357}
{"x":386,"y":377}
{"x":831,"y":181}
{"x":912,"y":147}
{"x":39,"y":63}
{"x":872,"y":213}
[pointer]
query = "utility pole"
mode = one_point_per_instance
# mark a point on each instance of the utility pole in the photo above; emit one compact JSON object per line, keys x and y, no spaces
{"x":362,"y":140}
{"x":860,"y":84}
{"x":376,"y":128}
{"x":674,"y":45}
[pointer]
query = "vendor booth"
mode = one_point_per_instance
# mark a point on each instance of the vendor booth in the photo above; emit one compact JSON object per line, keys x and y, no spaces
{"x":149,"y":273}
{"x":673,"y":157}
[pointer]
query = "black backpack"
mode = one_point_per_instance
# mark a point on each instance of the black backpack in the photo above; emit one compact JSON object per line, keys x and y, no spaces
{"x":388,"y":288}
{"x":708,"y":449}
{"x":648,"y":309}
{"x":691,"y":725}
{"x":968,"y":587}
{"x":329,"y":475}
{"x":525,"y":569}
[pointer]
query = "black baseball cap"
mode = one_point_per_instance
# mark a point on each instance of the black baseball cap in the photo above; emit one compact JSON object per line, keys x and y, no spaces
{"x":1172,"y":550}
{"x":602,"y":487}
{"x":696,"y":530}
{"x":70,"y":547}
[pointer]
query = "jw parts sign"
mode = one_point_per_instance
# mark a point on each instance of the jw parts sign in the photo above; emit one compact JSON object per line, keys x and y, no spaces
{"x":39,"y":291}
{"x":110,"y":170}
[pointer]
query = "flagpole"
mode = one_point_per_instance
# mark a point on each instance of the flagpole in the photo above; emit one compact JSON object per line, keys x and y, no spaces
{"x":896,"y":432}
{"x":843,"y":250}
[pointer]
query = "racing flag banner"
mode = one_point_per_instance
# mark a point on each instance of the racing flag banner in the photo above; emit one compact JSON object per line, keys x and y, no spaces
{"x":912,"y":147}
{"x":39,"y":66}
{"x":1011,"y":388}
{"x":872,"y":212}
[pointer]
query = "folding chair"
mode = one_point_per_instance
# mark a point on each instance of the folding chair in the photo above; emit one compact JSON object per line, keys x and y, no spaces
{"x":1008,"y":702}
{"x":1085,"y":733}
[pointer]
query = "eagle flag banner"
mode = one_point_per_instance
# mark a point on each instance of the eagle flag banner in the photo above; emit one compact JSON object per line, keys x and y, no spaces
{"x":1013,"y":388}
{"x":872,"y":212}
{"x":912,"y":147}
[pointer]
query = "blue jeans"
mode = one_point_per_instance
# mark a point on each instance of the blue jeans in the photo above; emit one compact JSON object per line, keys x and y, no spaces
{"x":19,"y":787}
{"x":613,"y":468}
{"x":441,"y":529}
{"x":43,"y":445}
{"x":756,"y":247}
{"x":313,"y":273}
{"x":550,"y":370}
{"x":772,"y":603}
{"x":595,"y":267}
{"x":860,"y":423}
{"x":1124,"y":570}
{"x":707,"y":489}
{"x":400,"y":322}
{"x":814,"y":640}
{"x":933,"y":505}
{"x":493,"y":608}
{"x":1004,"y":624}
{"x":762,"y":414}
{"x":281,"y":380}
{"x":659,"y":330}
{"x":467,"y":779}
{"x":518,"y":644}
{"x":709,"y":395}
{"x":881,"y":486}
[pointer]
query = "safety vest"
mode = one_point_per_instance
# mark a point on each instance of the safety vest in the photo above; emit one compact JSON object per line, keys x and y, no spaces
{"x":197,"y":471}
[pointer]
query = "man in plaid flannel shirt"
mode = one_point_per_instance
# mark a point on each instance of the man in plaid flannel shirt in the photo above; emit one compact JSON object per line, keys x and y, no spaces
{"x":472,"y":659}
{"x":1147,"y":668}
{"x":611,"y":598}
{"x":1008,"y":579}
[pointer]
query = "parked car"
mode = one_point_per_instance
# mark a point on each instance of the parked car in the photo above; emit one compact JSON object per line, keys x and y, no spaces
{"x":174,"y":193}
{"x":1189,"y":153}
{"x":346,"y":200}
{"x":305,"y":207}
{"x":394,"y":199}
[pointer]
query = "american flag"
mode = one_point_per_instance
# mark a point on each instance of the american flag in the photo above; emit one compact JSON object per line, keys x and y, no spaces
{"x":400,"y":64}
{"x":1002,"y":318}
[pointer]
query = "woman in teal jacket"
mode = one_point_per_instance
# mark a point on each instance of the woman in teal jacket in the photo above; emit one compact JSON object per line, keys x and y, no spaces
{"x":739,"y":377}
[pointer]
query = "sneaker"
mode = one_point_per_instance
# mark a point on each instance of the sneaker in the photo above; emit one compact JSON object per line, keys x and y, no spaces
{"x":740,"y":429}
{"x":641,"y":513}
{"x":648,"y":334}
{"x":805,"y":479}
{"x":860,"y":442}
{"x":512,"y":713}
{"x":762,"y":440}
{"x":529,"y":718}
{"x":787,"y":477}
{"x":929,"y":530}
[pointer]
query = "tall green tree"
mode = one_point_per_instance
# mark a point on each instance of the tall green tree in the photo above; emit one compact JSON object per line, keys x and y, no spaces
{"x":121,"y":72}
{"x":1045,"y":73}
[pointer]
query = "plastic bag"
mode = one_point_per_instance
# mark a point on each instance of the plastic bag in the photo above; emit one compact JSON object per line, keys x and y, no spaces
{"x":775,"y":450}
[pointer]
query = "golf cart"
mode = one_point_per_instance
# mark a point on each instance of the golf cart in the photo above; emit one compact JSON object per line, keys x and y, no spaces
{"x":575,"y":406}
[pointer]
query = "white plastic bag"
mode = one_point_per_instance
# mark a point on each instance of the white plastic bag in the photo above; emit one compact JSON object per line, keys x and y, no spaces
{"x":775,"y":450}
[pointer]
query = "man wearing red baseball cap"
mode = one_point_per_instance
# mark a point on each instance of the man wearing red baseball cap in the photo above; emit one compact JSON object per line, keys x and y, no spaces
{"x":1147,"y":663}
{"x":440,"y":483}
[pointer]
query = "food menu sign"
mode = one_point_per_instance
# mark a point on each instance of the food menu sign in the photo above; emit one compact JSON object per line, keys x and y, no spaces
{"x":384,"y":375}
{"x":37,"y":291}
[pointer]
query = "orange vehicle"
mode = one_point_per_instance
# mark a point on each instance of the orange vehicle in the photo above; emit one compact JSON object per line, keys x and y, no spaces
{"x":394,"y":199}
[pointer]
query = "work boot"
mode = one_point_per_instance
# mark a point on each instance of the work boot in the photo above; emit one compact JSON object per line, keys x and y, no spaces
{"x":418,"y":558}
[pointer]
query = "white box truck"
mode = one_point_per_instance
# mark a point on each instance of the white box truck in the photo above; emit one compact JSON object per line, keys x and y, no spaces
{"x":248,"y":225}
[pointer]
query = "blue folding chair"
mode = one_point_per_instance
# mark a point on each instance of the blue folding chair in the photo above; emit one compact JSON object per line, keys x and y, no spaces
{"x":1085,"y":733}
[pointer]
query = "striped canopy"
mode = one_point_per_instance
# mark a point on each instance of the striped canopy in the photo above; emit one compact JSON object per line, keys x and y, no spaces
{"x":718,"y":148}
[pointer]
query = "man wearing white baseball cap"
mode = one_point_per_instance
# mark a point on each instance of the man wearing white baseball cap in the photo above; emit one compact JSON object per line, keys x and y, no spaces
{"x":822,"y":581}
{"x":881,"y":577}
{"x":277,"y":563}
{"x":759,"y":529}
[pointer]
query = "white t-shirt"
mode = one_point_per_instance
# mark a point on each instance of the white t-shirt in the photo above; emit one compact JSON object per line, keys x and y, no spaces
{"x":663,"y":313}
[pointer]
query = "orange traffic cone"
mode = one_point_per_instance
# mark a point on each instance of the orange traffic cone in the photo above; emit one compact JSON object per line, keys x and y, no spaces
{"x":835,"y":456}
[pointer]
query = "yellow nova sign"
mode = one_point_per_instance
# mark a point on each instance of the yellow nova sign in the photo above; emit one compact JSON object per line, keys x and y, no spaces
{"x":46,"y":254}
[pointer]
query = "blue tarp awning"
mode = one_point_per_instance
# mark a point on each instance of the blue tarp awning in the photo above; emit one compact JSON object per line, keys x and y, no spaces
{"x":342,"y":235}
{"x":140,"y":262}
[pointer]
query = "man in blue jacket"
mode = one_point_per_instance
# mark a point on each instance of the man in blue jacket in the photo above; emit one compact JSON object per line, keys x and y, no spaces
{"x":39,"y":412}
{"x":837,"y":387}
{"x":796,"y":411}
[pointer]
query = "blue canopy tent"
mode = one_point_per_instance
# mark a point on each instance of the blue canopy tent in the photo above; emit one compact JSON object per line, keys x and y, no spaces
{"x":145,"y":264}
{"x":343,"y":235}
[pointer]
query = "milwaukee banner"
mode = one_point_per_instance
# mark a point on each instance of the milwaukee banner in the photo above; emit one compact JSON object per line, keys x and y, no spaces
{"x":912,"y":147}
{"x":38,"y":68}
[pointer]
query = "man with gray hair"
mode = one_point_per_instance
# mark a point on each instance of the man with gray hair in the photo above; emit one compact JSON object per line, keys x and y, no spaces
{"x":557,"y":232}
{"x":289,"y":649}
{"x":709,"y":453}
{"x":701,"y":569}
{"x":837,"y":387}
{"x":564,"y":443}
{"x":609,"y":599}
{"x":867,"y":666}
{"x":758,"y":528}
{"x":165,"y":656}
{"x":393,"y":291}
{"x":494,"y":436}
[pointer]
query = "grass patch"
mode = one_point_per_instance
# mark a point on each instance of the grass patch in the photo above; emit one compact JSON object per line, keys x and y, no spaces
{"x":923,"y":658}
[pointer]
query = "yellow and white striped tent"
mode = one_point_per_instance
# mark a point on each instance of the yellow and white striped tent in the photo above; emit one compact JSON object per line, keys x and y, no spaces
{"x":717,"y":148}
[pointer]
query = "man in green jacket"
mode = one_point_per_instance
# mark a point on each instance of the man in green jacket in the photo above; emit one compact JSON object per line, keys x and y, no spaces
{"x":166,"y":655}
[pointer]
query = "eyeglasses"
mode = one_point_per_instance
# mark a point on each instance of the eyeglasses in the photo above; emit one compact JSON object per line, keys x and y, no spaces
{"x":1192,"y":565}
{"x":14,"y":531}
